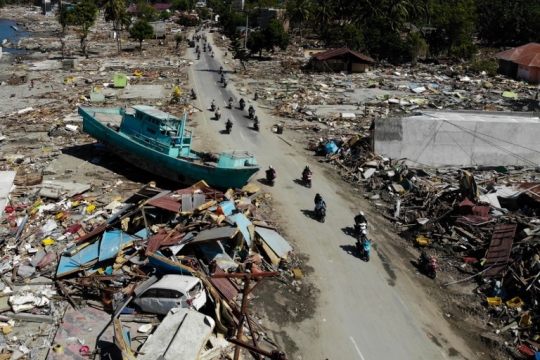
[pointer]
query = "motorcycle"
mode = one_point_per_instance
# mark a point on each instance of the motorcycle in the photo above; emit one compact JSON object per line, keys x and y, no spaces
{"x":225,"y":84}
{"x":306,"y":177}
{"x":428,"y":264}
{"x":364,"y":249}
{"x":320,"y":211}
{"x":228,"y":127}
{"x":271,"y":177}
{"x":212,"y":107}
{"x":230,"y":104}
{"x":218,"y":115}
{"x":251,"y":114}
{"x":222,"y":79}
{"x":242,"y":106}
{"x":198,"y":56}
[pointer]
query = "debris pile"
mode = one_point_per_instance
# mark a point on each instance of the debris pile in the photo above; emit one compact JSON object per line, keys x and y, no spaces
{"x":189,"y":255}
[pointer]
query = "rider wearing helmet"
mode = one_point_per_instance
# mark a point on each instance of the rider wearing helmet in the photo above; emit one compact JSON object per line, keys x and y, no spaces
{"x":306,"y":171}
{"x":360,"y":218}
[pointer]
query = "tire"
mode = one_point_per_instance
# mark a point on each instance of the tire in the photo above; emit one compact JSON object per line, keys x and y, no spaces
{"x":367,"y":257}
{"x":432,"y":274}
{"x":323,"y":218}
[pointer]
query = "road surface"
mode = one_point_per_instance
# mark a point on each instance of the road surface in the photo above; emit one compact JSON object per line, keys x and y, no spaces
{"x":367,"y":311}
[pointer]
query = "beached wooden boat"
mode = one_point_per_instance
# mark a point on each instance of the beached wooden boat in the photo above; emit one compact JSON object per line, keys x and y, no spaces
{"x":159,"y":143}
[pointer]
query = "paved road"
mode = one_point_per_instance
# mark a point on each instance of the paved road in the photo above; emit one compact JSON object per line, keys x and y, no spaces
{"x":367,"y":310}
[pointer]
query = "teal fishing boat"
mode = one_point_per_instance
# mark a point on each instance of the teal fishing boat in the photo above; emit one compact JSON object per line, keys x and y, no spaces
{"x":159,"y":143}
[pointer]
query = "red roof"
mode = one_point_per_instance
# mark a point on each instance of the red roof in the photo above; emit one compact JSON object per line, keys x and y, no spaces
{"x":162,"y":6}
{"x":329,"y":54}
{"x":526,"y":55}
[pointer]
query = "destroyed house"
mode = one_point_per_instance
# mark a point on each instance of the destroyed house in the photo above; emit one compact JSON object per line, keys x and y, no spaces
{"x":342,"y":59}
{"x":521,"y":63}
{"x":459,"y":138}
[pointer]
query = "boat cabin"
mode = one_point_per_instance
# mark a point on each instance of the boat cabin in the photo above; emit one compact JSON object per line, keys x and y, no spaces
{"x":158,"y":130}
{"x":236,"y":159}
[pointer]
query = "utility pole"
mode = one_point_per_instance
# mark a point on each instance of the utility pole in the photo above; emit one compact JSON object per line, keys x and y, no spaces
{"x":245,"y":43}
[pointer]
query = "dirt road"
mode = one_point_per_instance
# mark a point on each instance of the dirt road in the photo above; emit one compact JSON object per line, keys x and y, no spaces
{"x":365,"y":310}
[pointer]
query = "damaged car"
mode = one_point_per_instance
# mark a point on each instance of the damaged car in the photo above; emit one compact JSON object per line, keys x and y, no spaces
{"x":159,"y":296}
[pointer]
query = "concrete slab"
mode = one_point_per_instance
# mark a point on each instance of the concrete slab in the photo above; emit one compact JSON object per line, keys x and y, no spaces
{"x":46,"y":65}
{"x":6,"y":182}
{"x":143,"y":92}
{"x":56,"y":189}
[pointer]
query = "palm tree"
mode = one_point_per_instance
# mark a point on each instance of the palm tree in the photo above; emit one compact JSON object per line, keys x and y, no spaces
{"x":400,"y":11}
{"x":300,"y":11}
{"x":325,"y":15}
{"x":113,"y":11}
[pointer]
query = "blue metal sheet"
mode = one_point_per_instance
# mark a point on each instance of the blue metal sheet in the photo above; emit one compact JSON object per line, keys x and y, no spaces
{"x":70,"y":264}
{"x":275,"y":241}
{"x":215,"y":251}
{"x":115,"y":240}
{"x":167,"y":266}
{"x":242,"y":222}
{"x":226,"y":206}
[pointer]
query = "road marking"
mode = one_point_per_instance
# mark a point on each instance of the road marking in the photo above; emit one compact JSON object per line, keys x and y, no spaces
{"x":242,"y":135}
{"x":357,"y":349}
{"x":219,"y":92}
{"x":294,"y":161}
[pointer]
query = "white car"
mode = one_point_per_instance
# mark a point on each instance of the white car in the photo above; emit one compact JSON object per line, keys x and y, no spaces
{"x":171,"y":291}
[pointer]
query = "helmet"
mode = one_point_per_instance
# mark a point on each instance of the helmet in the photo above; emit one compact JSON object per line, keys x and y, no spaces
{"x":361,"y":213}
{"x":271,"y":167}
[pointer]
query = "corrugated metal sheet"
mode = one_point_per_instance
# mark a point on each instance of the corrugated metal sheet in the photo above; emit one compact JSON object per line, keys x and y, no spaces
{"x":191,"y":201}
{"x":225,"y":286}
{"x":242,"y":222}
{"x":187,"y":203}
{"x":326,"y":55}
{"x":499,"y":249}
{"x":155,"y":242}
{"x":276,"y":242}
{"x":167,"y":203}
{"x":224,"y":232}
{"x":520,"y":54}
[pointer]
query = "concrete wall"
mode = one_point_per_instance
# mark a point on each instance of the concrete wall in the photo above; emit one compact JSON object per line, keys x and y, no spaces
{"x":438,"y":142}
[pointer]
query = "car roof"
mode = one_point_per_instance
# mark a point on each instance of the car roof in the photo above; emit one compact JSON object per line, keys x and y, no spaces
{"x":175,"y":282}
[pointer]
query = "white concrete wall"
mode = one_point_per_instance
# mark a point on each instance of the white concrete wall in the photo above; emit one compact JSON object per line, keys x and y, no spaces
{"x":460,"y":143}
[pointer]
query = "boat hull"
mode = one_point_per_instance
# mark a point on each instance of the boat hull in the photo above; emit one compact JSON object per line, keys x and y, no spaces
{"x":176,"y":169}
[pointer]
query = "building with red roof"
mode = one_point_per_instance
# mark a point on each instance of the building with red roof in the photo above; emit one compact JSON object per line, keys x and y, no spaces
{"x":341,"y":59}
{"x":521,"y":63}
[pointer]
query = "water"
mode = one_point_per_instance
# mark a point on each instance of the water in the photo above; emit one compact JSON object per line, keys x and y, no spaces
{"x":7,"y":32}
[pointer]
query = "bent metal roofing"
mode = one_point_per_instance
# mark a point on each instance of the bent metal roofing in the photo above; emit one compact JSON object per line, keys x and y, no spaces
{"x":325,"y":55}
{"x":526,"y":55}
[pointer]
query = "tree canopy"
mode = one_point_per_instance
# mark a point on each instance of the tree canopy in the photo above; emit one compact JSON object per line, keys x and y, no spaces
{"x":140,"y":31}
{"x":84,"y":15}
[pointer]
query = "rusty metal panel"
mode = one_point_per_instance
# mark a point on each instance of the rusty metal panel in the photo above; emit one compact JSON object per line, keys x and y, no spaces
{"x":499,"y":249}
{"x":225,"y":286}
{"x":167,"y":203}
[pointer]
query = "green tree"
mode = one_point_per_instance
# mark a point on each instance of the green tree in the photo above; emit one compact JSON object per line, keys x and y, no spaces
{"x":164,"y":15}
{"x":325,"y":15}
{"x":84,"y":16}
{"x":299,"y":11}
{"x":238,"y":51}
{"x":418,"y":46}
{"x":64,"y":17}
{"x":178,"y":39}
{"x":502,"y":22}
{"x":113,"y":11}
{"x":204,"y":14}
{"x":352,"y":37}
{"x":275,"y":35}
{"x":146,"y":12}
{"x":255,"y":42}
{"x":141,"y":30}
{"x":180,"y":5}
{"x":456,"y":20}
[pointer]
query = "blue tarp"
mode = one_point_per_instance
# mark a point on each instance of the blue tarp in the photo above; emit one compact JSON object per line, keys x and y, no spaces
{"x":69,"y":264}
{"x":331,"y":147}
{"x":275,"y":241}
{"x":242,"y":222}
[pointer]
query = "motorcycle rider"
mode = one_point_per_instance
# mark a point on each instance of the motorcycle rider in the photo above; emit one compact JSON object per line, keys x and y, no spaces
{"x":251,"y":111}
{"x":218,"y":114}
{"x":213,"y":105}
{"x":319,"y":203}
{"x":221,"y":69}
{"x":256,"y":122}
{"x":242,"y":103}
{"x":360,"y":218}
{"x":228,"y":124}
{"x":271,"y":173}
{"x":222,"y":78}
{"x":230,"y":102}
{"x":306,"y":171}
{"x":193,"y":94}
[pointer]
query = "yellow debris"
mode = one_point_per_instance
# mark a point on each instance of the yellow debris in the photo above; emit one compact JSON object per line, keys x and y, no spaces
{"x":90,"y":208}
{"x":297,"y":273}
